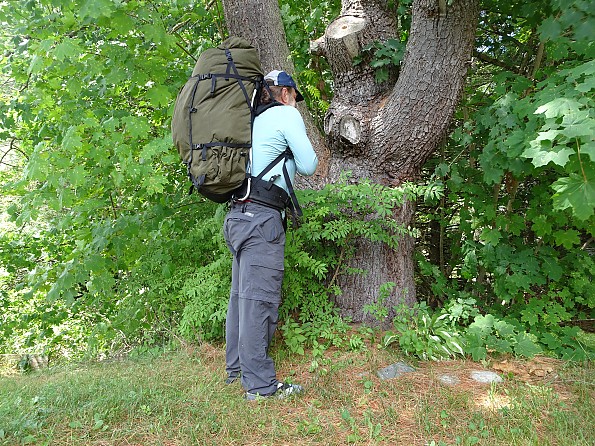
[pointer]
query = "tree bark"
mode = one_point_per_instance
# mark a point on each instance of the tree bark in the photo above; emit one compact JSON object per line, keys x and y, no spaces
{"x":260,"y":23}
{"x":420,"y":108}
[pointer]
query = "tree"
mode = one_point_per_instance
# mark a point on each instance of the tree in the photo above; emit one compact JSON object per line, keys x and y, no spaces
{"x":383,"y":131}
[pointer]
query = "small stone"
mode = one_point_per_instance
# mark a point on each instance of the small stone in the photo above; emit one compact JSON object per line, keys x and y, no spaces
{"x":395,"y":370}
{"x":449,"y":380}
{"x":486,"y":377}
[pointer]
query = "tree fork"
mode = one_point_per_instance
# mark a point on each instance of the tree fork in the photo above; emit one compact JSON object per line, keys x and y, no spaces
{"x":387,"y":132}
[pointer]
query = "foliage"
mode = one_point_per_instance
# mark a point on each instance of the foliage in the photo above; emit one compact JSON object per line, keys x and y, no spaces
{"x":424,"y":335}
{"x":316,"y":252}
{"x":489,"y":333}
{"x":384,"y":55}
{"x":101,"y":190}
{"x":513,"y":223}
{"x":100,"y":248}
{"x":319,"y":249}
{"x":459,"y":329}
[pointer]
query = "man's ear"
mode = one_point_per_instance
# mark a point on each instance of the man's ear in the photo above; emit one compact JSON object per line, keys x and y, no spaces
{"x":284,"y":95}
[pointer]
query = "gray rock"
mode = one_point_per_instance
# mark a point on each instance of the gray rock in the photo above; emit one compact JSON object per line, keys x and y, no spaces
{"x":486,"y":377}
{"x":449,"y":380}
{"x":395,"y":370}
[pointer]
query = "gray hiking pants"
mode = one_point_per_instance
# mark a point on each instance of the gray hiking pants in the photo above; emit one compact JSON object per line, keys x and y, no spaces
{"x":256,"y":239}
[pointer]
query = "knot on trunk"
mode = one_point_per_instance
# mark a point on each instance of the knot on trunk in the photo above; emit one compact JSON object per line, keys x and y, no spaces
{"x":347,"y":129}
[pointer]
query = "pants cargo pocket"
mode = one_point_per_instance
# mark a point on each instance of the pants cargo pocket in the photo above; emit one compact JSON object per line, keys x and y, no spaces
{"x":265,"y":282}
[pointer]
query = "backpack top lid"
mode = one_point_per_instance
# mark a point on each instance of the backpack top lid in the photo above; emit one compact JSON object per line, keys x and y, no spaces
{"x":245,"y":57}
{"x":235,"y":42}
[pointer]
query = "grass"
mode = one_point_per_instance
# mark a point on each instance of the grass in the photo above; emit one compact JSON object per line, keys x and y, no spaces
{"x":179,"y":398}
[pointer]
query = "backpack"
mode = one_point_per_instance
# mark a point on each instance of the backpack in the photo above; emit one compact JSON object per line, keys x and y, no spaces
{"x":213,"y":116}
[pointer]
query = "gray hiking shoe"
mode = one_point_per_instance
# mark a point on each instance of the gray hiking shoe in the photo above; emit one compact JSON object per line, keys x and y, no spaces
{"x":284,"y":390}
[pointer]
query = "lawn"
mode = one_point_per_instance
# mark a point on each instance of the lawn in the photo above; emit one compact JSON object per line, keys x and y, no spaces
{"x":180,"y":398}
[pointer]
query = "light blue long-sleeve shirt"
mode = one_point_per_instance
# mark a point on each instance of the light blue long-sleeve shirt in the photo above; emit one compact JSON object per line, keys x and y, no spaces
{"x":274,"y":130}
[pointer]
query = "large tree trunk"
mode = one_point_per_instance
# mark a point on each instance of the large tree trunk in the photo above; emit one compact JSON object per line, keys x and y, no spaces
{"x":383,"y":132}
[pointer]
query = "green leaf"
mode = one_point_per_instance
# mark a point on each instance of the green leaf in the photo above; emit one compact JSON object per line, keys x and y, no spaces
{"x":529,"y":316}
{"x":587,"y":85}
{"x":72,"y":140}
{"x":541,"y":225}
{"x":478,"y":353}
{"x":550,"y":29}
{"x":483,"y":324}
{"x":504,"y":328}
{"x":567,"y":238}
{"x":501,"y":345}
{"x":552,"y":268}
{"x":552,"y":342}
{"x":136,"y":126}
{"x":78,"y":176}
{"x":542,"y":156}
{"x":559,"y":107}
{"x":525,"y":346}
{"x":122,"y":23}
{"x":159,"y":96}
{"x":35,"y":65}
{"x":589,"y":149}
{"x":577,"y":193}
{"x":578,"y":123}
{"x":67,"y":49}
{"x":550,"y":135}
{"x":95,"y":9}
{"x":491,"y":236}
{"x":584,"y":30}
{"x":154,"y":183}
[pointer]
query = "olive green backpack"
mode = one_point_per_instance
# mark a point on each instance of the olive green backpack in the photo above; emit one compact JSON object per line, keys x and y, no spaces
{"x":213,"y":115}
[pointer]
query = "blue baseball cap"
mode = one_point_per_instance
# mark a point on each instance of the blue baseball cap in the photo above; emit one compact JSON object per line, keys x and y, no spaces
{"x":282,"y":79}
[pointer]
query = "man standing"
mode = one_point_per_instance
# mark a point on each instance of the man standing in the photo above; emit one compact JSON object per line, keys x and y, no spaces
{"x":254,"y":232}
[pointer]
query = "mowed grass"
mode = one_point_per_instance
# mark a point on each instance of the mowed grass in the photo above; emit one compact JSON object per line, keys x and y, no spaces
{"x":180,"y":398}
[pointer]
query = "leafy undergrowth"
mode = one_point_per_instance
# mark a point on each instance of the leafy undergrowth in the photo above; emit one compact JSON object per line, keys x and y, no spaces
{"x":179,"y":398}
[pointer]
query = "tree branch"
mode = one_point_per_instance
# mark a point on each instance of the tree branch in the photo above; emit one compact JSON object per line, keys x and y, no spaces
{"x":492,"y":61}
{"x":10,"y":148}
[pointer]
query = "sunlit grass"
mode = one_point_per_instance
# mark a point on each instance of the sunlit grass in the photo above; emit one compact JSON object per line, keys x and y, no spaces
{"x":179,"y":398}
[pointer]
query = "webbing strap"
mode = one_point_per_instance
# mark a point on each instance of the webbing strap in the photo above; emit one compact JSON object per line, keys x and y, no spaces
{"x":191,"y":109}
{"x":235,"y":145}
{"x":282,"y":156}
{"x":202,"y":77}
{"x":232,"y":66}
{"x":295,"y":208}
{"x":205,"y":146}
